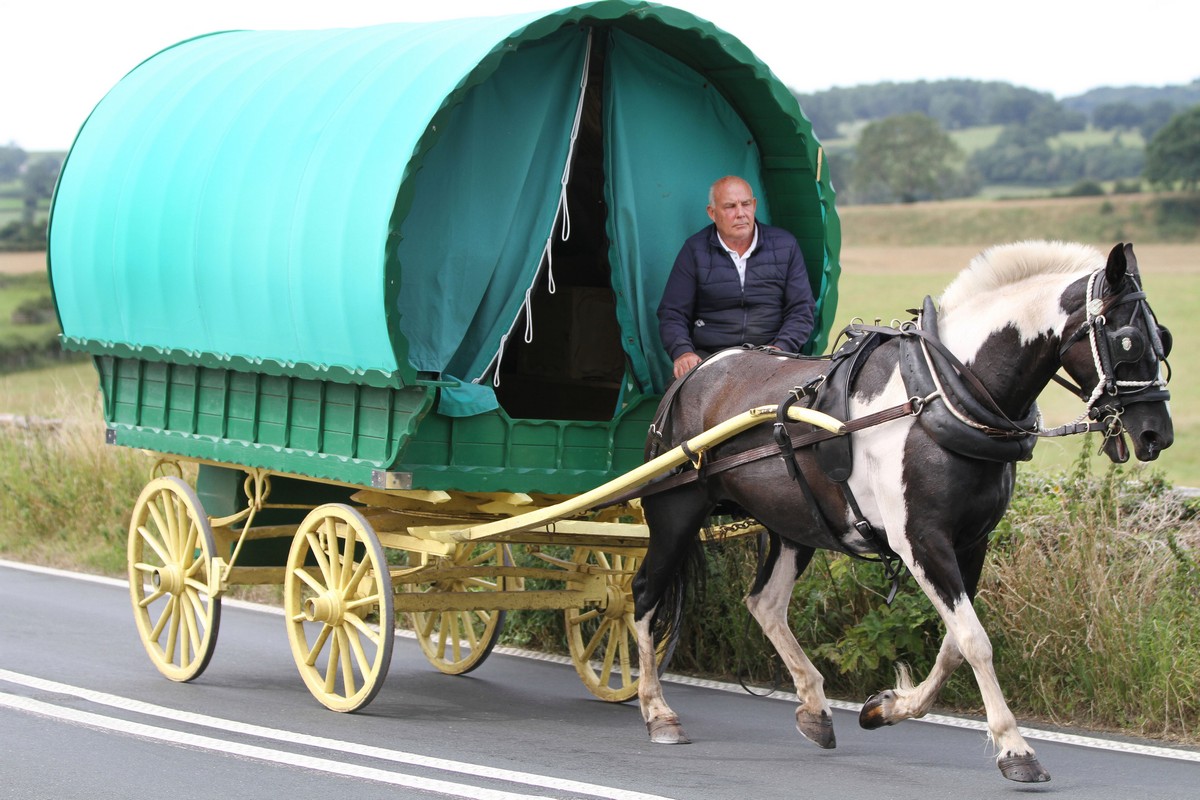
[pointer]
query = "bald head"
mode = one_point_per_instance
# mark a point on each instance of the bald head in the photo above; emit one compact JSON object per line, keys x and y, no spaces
{"x":731,"y":207}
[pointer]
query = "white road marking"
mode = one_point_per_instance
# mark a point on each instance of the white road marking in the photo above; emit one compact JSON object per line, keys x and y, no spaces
{"x":275,"y":734}
{"x":684,"y":680}
{"x":326,"y":765}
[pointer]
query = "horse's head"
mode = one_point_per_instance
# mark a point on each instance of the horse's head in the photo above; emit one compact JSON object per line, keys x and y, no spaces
{"x":1116,"y":350}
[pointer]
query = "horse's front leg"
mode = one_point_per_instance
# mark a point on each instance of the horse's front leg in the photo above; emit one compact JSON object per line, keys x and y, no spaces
{"x":907,"y":701}
{"x":768,"y":603}
{"x":936,"y":571}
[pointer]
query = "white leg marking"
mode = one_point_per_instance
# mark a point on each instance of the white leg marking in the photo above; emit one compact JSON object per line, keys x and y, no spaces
{"x":769,"y":608}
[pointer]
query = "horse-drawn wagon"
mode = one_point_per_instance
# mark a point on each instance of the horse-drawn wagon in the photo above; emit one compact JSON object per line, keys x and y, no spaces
{"x":392,"y":289}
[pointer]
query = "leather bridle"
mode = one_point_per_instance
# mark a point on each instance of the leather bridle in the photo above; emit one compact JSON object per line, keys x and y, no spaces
{"x":1110,"y":348}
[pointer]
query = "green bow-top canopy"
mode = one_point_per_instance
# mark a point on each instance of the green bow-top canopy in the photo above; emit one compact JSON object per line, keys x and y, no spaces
{"x":371,"y":206}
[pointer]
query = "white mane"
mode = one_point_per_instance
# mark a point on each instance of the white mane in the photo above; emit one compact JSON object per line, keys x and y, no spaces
{"x":1006,"y":264}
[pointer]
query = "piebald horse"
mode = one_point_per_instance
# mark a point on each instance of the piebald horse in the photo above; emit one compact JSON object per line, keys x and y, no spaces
{"x":926,"y":486}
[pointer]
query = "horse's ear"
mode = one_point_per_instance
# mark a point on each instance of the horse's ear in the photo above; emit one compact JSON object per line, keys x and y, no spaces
{"x":1130,"y":259}
{"x":1114,"y":271}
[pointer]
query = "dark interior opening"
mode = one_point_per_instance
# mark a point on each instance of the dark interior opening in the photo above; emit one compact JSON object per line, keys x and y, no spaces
{"x":574,"y":365}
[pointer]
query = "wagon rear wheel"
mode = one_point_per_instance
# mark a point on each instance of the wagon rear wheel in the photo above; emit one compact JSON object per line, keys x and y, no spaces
{"x":457,"y":642}
{"x":337,"y":597}
{"x":602,"y":639}
{"x":171,"y":583}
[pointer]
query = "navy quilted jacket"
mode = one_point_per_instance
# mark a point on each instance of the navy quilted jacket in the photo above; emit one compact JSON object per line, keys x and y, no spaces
{"x":704,"y":308}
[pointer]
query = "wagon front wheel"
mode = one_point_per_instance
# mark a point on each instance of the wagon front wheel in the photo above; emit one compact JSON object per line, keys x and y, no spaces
{"x":337,"y":597}
{"x":176,"y":605}
{"x":602,"y":639}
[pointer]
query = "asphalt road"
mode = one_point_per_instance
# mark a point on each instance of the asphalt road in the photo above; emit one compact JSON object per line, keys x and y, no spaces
{"x":83,"y":714}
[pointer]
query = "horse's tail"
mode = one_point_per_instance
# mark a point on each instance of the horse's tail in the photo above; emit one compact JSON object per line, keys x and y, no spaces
{"x":689,"y":579}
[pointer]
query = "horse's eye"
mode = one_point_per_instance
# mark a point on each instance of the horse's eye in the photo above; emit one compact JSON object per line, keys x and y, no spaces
{"x":1126,"y":344}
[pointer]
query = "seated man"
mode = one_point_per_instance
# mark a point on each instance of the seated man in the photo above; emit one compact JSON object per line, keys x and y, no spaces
{"x":735,"y":282}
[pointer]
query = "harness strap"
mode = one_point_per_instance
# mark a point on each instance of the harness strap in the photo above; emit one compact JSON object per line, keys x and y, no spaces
{"x":911,"y":407}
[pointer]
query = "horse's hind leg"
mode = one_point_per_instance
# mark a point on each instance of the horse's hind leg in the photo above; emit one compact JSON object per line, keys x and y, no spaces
{"x":768,"y":603}
{"x":674,"y":519}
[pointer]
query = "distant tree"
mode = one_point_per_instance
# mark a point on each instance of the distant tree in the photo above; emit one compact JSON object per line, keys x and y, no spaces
{"x":1156,"y":115}
{"x":906,"y":158}
{"x":1121,"y":115}
{"x":1173,"y":155}
{"x":37,"y":184}
{"x":11,"y":159}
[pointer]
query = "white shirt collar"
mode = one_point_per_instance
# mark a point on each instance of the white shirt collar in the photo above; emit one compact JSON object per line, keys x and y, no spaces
{"x":739,"y":261}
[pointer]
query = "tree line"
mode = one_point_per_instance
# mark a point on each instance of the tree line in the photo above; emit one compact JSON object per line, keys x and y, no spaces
{"x":31,"y":181}
{"x":903,"y":150}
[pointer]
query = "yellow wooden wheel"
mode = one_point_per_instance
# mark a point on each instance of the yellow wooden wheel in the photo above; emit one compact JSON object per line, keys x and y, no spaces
{"x":175,"y":603}
{"x":602,"y":639}
{"x":337,"y":597}
{"x":457,"y":642}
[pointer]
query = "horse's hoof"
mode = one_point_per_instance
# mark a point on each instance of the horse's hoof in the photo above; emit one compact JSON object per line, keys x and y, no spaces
{"x":872,"y":716}
{"x":817,"y":728}
{"x":1023,"y":769}
{"x":667,"y":730}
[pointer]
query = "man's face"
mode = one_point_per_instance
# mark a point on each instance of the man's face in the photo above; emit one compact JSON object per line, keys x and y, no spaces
{"x":733,"y":211}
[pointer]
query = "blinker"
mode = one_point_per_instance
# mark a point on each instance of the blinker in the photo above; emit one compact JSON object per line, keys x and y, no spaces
{"x":1164,"y":341}
{"x":1126,"y":344}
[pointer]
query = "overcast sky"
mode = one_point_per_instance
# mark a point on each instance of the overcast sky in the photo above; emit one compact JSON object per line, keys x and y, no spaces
{"x":59,"y":57}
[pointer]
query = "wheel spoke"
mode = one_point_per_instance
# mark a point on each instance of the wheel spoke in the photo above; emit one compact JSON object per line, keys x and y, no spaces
{"x":610,"y":653}
{"x":188,"y":556}
{"x":163,"y":537}
{"x":331,"y":668}
{"x":309,"y":580}
{"x":364,"y":664}
{"x":149,"y":599}
{"x":163,"y":619}
{"x":348,"y":557}
{"x":187,"y":625}
{"x":332,"y":551}
{"x":590,"y":614}
{"x":173,"y":628}
{"x":156,"y":544}
{"x":595,"y":641}
{"x":371,"y":633}
{"x":469,"y":629}
{"x":318,"y":551}
{"x":360,"y":571}
{"x":348,"y":681}
{"x":181,"y":528}
{"x":310,"y":658}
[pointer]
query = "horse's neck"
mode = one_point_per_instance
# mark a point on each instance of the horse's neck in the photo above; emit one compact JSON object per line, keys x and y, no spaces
{"x":1010,"y":339}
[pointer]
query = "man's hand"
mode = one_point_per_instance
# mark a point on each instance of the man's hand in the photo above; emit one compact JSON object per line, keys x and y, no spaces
{"x":685,"y":363}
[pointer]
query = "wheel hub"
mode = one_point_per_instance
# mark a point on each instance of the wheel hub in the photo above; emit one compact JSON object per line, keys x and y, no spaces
{"x":327,"y":607}
{"x":168,"y":578}
{"x":614,"y":604}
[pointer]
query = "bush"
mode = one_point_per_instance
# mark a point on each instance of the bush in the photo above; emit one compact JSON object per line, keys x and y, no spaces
{"x":1085,"y":189}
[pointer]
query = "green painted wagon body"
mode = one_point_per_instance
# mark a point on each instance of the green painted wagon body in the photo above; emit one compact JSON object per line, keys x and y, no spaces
{"x":416,"y":255}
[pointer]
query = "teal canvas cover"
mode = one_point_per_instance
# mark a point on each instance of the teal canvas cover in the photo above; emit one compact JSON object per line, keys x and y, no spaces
{"x":374,"y":205}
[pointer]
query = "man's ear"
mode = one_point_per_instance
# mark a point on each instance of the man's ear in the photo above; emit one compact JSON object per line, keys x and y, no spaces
{"x":711,"y":214}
